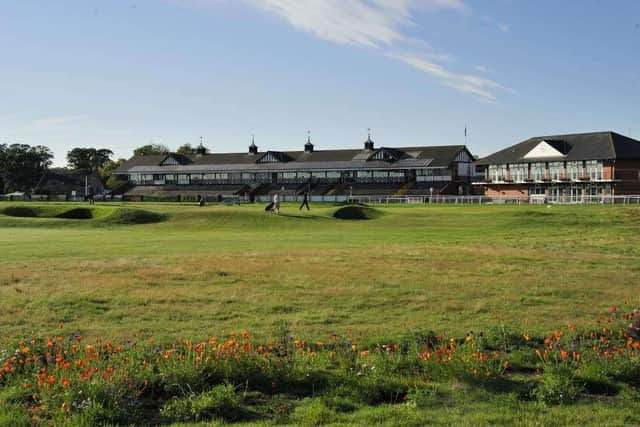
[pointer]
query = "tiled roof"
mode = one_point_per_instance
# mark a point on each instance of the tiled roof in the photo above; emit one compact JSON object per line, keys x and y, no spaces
{"x":435,"y":156}
{"x":582,"y":146}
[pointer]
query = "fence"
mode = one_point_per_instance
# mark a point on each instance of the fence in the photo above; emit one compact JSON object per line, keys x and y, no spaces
{"x":480,"y":200}
{"x":382,"y":199}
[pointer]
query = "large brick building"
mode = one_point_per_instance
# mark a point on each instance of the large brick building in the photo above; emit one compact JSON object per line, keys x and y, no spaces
{"x":564,"y":166}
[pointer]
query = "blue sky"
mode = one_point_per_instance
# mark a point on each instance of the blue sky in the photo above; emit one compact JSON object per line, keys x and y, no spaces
{"x":123,"y":73}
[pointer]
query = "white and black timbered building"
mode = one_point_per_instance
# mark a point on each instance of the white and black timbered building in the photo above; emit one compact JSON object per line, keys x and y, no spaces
{"x":367,"y":171}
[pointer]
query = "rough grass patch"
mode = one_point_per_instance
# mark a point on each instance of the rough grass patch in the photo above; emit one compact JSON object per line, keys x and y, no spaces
{"x":132,"y":216}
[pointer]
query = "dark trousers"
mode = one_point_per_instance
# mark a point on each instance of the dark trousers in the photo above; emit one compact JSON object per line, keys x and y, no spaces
{"x":305,"y":202}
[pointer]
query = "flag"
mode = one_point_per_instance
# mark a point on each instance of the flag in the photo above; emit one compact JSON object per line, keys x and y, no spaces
{"x":465,"y":131}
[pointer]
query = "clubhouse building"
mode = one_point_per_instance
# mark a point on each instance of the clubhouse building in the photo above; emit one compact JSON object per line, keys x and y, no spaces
{"x":369,"y":170}
{"x":564,"y":167}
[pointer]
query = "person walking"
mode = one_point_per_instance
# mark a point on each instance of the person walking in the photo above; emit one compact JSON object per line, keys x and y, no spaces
{"x":276,"y":203}
{"x":305,"y":201}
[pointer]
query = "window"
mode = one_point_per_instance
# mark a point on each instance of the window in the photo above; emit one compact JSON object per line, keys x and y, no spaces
{"x":574,"y":170}
{"x":538,"y":171}
{"x":519,"y":172}
{"x":498,"y":172}
{"x":333,"y":175}
{"x":183,"y":179}
{"x":594,"y":169}
{"x":556,"y":170}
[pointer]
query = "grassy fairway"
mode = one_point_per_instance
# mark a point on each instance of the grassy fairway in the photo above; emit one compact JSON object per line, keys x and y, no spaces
{"x":223,"y":268}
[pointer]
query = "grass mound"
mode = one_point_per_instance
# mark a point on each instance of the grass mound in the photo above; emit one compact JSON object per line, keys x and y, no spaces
{"x":356,"y":212}
{"x":20,"y":211}
{"x":132,"y":216}
{"x":77,"y":213}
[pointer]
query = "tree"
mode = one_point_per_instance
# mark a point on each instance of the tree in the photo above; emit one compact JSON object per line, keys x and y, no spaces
{"x":88,"y":159}
{"x":3,"y":149}
{"x":106,"y":173}
{"x":22,"y":166}
{"x":186,"y":149}
{"x":151,"y":149}
{"x":189,"y":149}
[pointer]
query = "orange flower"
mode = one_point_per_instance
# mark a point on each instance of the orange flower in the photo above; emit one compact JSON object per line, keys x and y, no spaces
{"x":64,"y":406}
{"x":66,"y":382}
{"x":526,"y":337}
{"x":563,"y":354}
{"x":364,"y":353}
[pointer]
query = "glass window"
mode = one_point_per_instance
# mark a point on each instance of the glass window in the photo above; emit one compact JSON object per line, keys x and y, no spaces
{"x":594,"y":169}
{"x":538,"y":171}
{"x":574,"y":170}
{"x":519,"y":172}
{"x":556,"y":170}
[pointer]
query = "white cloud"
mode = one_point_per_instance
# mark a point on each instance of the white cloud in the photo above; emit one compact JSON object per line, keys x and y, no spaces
{"x":54,"y":123}
{"x":481,"y":68}
{"x":467,"y":83}
{"x":377,"y":25}
{"x":500,"y":25}
{"x":503,"y":27}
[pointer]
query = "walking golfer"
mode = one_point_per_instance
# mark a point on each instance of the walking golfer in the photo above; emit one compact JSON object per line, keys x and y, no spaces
{"x":305,"y":201}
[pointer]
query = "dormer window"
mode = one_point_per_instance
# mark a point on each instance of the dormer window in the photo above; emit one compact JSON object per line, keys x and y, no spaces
{"x":175,"y":159}
{"x":273,"y":157}
{"x":385,"y":155}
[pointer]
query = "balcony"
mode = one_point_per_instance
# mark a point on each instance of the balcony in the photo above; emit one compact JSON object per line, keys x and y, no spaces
{"x":584,"y":178}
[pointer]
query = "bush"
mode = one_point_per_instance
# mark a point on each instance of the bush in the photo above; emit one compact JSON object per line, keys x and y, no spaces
{"x":312,"y":412}
{"x":221,"y":401}
{"x":558,"y":385}
{"x":423,"y":397}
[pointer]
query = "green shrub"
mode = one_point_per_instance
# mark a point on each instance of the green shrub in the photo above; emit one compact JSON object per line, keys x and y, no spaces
{"x":558,"y":384}
{"x":424,"y":397}
{"x":312,"y":412}
{"x":221,"y":401}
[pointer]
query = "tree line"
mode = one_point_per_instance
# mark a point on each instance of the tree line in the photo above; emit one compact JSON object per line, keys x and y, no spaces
{"x":22,"y":165}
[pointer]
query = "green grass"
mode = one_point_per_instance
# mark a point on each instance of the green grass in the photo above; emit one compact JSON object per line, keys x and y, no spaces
{"x":204,"y":270}
{"x":195,"y":272}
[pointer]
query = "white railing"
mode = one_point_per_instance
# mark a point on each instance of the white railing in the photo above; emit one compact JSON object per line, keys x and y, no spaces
{"x":533,"y":199}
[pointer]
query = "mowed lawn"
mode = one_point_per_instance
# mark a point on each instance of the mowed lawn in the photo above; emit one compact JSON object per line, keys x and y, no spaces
{"x":206,"y":271}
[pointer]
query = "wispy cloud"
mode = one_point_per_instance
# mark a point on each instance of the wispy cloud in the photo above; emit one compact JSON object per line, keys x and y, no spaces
{"x":54,"y":123}
{"x":379,"y":25}
{"x":499,"y":25}
{"x":467,"y":83}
